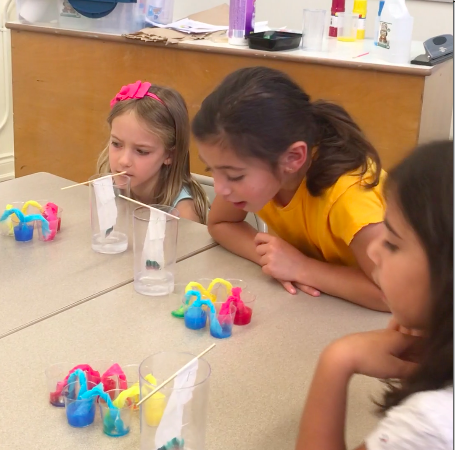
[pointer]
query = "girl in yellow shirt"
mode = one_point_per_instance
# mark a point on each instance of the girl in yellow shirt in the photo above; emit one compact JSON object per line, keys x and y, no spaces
{"x":307,"y":170}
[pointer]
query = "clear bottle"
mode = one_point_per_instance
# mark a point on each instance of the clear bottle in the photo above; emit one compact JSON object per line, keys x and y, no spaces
{"x":395,"y":33}
{"x":160,"y":11}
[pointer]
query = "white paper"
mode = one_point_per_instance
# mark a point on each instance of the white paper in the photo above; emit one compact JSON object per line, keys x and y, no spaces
{"x":171,"y":423}
{"x":188,"y":26}
{"x":105,"y":203}
{"x":154,"y":241}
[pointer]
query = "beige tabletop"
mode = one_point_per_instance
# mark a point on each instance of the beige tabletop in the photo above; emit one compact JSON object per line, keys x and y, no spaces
{"x":260,"y":376}
{"x":38,"y":278}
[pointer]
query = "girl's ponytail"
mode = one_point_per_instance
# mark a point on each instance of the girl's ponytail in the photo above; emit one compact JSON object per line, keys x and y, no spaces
{"x":341,"y":147}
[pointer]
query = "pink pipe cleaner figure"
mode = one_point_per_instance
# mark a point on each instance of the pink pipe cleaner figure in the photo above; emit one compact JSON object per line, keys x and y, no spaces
{"x":243,"y":313}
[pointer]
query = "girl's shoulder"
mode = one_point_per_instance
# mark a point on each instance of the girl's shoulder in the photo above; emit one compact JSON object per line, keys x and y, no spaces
{"x":183,"y":195}
{"x":423,"y":421}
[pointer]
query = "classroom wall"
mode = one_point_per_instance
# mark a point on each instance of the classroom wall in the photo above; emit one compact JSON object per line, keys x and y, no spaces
{"x":430,"y":18}
{"x":6,"y":116}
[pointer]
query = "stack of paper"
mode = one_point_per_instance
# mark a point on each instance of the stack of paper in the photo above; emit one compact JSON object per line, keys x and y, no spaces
{"x":189,"y":26}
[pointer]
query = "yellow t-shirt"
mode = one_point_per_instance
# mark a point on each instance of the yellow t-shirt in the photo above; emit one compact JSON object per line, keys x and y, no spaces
{"x":323,"y":227}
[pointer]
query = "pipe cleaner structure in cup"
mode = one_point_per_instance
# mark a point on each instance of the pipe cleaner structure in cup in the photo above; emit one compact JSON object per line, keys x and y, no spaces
{"x":23,"y":225}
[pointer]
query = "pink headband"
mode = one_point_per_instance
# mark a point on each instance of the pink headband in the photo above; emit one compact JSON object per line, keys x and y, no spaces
{"x":135,"y":90}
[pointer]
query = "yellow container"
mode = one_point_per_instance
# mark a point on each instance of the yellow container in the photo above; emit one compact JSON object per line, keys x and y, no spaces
{"x":360,"y":8}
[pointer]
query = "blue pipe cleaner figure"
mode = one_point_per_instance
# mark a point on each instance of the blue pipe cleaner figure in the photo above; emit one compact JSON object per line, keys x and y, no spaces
{"x":21,"y":231}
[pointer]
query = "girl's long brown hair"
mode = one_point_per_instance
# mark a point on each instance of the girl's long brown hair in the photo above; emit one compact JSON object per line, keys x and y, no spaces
{"x":169,"y":122}
{"x":422,"y":185}
{"x":260,"y":112}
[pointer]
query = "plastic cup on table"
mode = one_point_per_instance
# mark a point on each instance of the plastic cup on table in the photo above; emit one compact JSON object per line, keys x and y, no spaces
{"x":347,"y":27}
{"x":131,"y":372}
{"x":116,"y":421}
{"x":194,"y":409}
{"x":109,"y":213}
{"x":23,"y":231}
{"x":221,"y":324}
{"x":102,"y":366}
{"x":175,"y":300}
{"x":195,"y":316}
{"x":53,"y":227}
{"x":59,"y":217}
{"x":313,"y":29}
{"x":6,"y":226}
{"x":80,"y":413}
{"x":155,"y":249}
{"x":244,"y":313}
{"x":55,"y":374}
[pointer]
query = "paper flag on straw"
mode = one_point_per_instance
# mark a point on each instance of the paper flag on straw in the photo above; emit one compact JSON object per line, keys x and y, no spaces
{"x":105,"y":203}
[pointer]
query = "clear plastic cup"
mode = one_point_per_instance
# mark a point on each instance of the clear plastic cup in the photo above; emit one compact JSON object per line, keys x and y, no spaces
{"x":221,"y":324}
{"x":131,"y":372}
{"x":176,"y":299}
{"x":59,"y":215}
{"x":79,"y":413}
{"x":23,"y":231}
{"x":155,"y":250}
{"x":195,"y":317}
{"x":55,"y":376}
{"x":109,"y":213}
{"x":53,"y":228}
{"x":244,"y":313}
{"x":6,"y":226}
{"x":313,"y":29}
{"x":190,"y":389}
{"x":116,"y":421}
{"x":347,"y":27}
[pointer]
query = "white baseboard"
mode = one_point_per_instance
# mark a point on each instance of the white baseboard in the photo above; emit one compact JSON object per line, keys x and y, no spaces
{"x":6,"y":166}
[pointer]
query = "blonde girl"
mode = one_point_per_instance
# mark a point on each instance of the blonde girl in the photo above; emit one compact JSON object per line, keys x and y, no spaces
{"x":149,"y":140}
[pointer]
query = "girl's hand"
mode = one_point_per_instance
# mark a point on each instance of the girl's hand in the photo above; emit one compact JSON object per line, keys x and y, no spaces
{"x":282,"y":261}
{"x":378,"y":354}
{"x":278,"y":259}
{"x":292,"y":290}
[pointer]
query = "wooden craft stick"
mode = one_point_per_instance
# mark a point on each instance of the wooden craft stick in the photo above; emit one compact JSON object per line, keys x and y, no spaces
{"x":91,"y":181}
{"x":175,"y":374}
{"x":148,"y":206}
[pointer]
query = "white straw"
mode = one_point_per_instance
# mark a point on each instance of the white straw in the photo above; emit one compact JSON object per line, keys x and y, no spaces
{"x":91,"y":181}
{"x":148,"y":206}
{"x":175,"y":374}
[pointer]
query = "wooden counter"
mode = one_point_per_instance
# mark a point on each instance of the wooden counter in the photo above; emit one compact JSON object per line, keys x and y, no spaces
{"x":63,"y":81}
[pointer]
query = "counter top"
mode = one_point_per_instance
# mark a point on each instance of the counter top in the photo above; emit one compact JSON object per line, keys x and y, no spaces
{"x":335,"y":53}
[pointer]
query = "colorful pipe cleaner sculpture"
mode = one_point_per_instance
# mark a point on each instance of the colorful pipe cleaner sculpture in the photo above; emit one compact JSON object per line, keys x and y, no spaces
{"x":22,"y":231}
{"x":207,"y":293}
{"x":243,"y":313}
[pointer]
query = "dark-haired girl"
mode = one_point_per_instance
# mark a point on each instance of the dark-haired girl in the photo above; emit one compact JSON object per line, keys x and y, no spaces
{"x":307,"y":170}
{"x":414,"y":268}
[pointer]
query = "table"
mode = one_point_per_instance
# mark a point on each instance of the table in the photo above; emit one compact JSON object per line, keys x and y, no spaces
{"x":397,"y":106}
{"x":40,"y":278}
{"x":260,"y":376}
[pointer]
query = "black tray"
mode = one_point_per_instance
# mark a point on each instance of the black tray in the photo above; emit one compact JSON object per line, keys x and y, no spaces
{"x":274,"y":40}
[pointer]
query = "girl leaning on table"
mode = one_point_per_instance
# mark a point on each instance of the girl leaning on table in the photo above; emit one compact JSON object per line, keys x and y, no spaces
{"x":414,"y":268}
{"x":149,"y":139}
{"x":307,"y":170}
